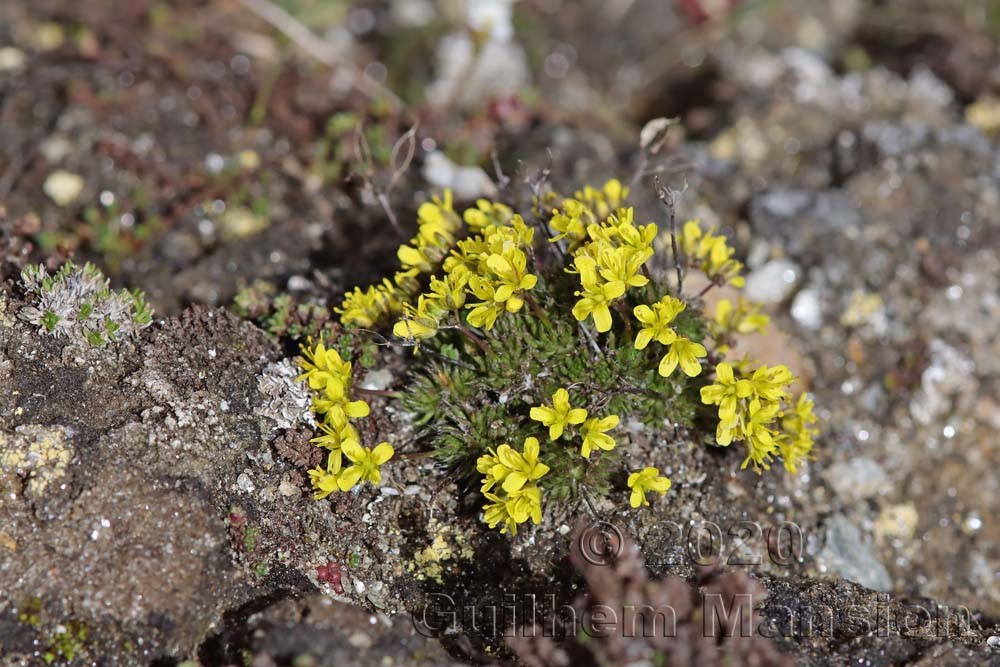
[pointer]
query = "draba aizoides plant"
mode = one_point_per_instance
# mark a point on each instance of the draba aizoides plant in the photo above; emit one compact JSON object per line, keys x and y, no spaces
{"x":532,"y":343}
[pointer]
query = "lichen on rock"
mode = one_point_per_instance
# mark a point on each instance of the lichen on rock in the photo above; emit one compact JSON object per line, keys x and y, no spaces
{"x":38,"y":454}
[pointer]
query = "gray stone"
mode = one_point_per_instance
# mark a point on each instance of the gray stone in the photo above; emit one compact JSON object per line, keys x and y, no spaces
{"x":849,"y":555}
{"x":856,"y":479}
{"x":773,"y":282}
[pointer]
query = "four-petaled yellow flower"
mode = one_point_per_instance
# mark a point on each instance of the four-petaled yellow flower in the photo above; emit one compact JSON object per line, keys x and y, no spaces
{"x":769,"y":382}
{"x":683,"y":352}
{"x":365,"y":464}
{"x":726,"y":391}
{"x":642,"y":482}
{"x":514,"y":469}
{"x":334,"y":403}
{"x":743,"y":318}
{"x":623,"y":265}
{"x":512,"y":278}
{"x":560,"y":415}
{"x":484,"y":314}
{"x":595,"y":434}
{"x":324,"y":480}
{"x":710,"y":254}
{"x":323,"y":366}
{"x":421,"y":321}
{"x":656,"y":320}
{"x":335,"y":434}
{"x":597,"y":296}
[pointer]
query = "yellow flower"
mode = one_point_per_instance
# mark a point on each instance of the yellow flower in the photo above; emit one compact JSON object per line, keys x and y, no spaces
{"x":486,"y":464}
{"x":560,"y":415}
{"x":759,"y":439}
{"x":365,"y":308}
{"x":333,"y":438}
{"x":510,"y":269}
{"x":514,"y":469}
{"x":605,"y":200}
{"x":487,"y":213}
{"x":795,"y":442}
{"x":497,"y":513}
{"x":638,"y":237}
{"x":656,"y":321}
{"x":769,"y":383}
{"x":408,"y":284}
{"x":366,"y":464}
{"x":484,"y":313}
{"x":595,"y":436}
{"x":450,"y":291}
{"x":333,"y":402}
{"x":569,"y":227}
{"x":596,"y":296}
{"x":421,"y":321}
{"x":685,"y":353}
{"x":743,"y":318}
{"x":623,"y":264}
{"x":324,"y":480}
{"x":644,"y":481}
{"x":438,"y":224}
{"x":690,"y":236}
{"x":710,"y":254}
{"x":322,"y":366}
{"x":726,"y":391}
{"x":513,"y":508}
{"x":526,"y":503}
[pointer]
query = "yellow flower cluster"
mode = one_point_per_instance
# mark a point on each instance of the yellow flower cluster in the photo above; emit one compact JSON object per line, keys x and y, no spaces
{"x":574,"y":215}
{"x":656,"y":320}
{"x":710,"y":254}
{"x":510,"y":481}
{"x":464,"y":277}
{"x":752,"y":407}
{"x":609,"y":250}
{"x":438,"y":225}
{"x":490,"y":266}
{"x":795,"y":441}
{"x":329,"y":376}
{"x":743,"y":317}
{"x":561,"y":414}
{"x":519,"y":498}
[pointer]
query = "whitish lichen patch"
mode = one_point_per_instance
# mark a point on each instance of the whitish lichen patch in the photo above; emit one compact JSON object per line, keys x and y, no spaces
{"x":40,"y":454}
{"x":285,"y":400}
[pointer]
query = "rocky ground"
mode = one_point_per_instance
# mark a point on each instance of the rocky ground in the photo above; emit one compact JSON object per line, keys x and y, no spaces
{"x":154,"y":502}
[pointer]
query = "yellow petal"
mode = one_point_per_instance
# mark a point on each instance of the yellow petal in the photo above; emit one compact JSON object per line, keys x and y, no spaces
{"x":382,"y":453}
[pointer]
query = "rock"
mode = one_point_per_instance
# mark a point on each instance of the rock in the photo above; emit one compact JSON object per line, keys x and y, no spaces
{"x":848,"y":555}
{"x":321,"y":632}
{"x":856,"y":479}
{"x":466,"y":182}
{"x":897,"y":521}
{"x":773,"y":282}
{"x":12,"y":59}
{"x":946,"y":376}
{"x":807,"y":310}
{"x":471,"y":74}
{"x":63,"y":187}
